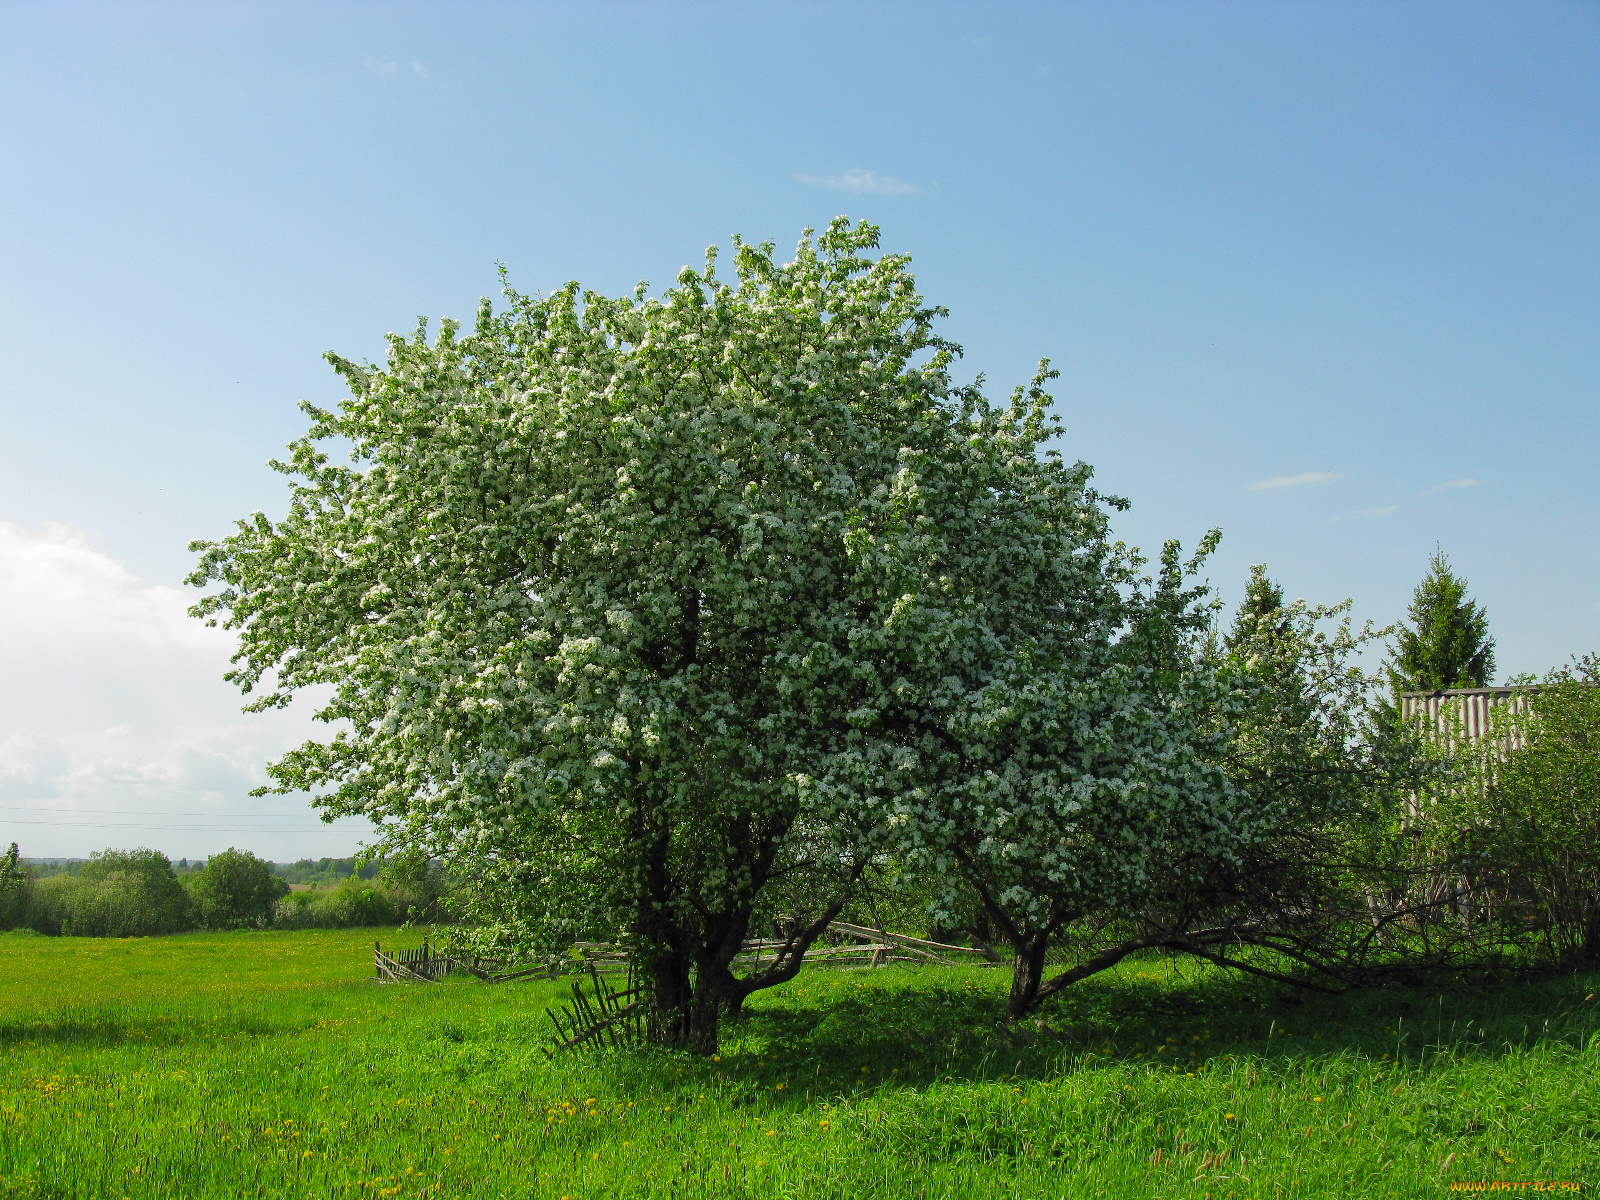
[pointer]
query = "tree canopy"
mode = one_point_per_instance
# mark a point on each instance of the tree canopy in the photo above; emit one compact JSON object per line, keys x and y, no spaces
{"x":1078,"y":761}
{"x":637,"y":608}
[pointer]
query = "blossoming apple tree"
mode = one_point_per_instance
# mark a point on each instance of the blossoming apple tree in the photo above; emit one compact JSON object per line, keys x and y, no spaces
{"x":642,"y":611}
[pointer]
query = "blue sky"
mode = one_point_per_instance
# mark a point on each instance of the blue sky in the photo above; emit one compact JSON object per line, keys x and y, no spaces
{"x":1323,"y":275}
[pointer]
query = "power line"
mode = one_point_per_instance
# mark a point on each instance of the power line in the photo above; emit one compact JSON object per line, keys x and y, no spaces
{"x":173,"y":828}
{"x":98,"y":812}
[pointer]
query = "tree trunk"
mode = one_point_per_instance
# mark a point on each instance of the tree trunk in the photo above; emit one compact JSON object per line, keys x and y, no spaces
{"x":705,"y":1016}
{"x":671,"y":999}
{"x":690,"y":980}
{"x":1027,"y":973}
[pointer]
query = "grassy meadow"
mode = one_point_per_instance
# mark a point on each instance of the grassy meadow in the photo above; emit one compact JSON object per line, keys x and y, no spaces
{"x":270,"y":1065}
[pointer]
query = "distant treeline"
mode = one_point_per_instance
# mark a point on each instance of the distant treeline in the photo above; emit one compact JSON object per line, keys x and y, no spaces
{"x":136,"y":893}
{"x":326,"y":872}
{"x":313,"y":872}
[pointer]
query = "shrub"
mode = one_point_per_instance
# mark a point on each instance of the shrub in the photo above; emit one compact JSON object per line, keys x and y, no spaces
{"x":16,"y":889}
{"x":236,"y":890}
{"x":355,"y":903}
{"x":15,"y":905}
{"x":415,"y":888}
{"x":51,"y":904}
{"x":294,"y":911}
{"x":1529,"y":834}
{"x":118,"y":893}
{"x":352,"y":904}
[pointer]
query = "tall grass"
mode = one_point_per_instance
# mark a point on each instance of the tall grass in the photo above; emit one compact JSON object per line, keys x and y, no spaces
{"x":269,"y":1065}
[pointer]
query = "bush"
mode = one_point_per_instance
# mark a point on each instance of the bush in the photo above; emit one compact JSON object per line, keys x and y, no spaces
{"x":415,"y":887}
{"x":118,"y":893}
{"x":355,"y":904}
{"x":51,"y":903}
{"x":352,"y":904}
{"x":15,"y":905}
{"x":1529,"y":834}
{"x":236,"y":890}
{"x":294,"y":912}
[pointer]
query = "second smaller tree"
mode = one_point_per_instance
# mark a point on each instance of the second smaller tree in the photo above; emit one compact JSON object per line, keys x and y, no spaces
{"x":236,"y":890}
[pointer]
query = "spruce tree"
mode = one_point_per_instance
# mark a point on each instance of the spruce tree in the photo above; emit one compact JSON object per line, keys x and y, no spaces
{"x":1261,"y":621}
{"x":1447,"y":644}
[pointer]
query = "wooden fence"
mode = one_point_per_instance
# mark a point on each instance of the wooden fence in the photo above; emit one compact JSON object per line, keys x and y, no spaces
{"x":1460,"y":721}
{"x":603,"y":1017}
{"x":428,"y":965}
{"x":848,"y":945}
{"x":607,"y":1016}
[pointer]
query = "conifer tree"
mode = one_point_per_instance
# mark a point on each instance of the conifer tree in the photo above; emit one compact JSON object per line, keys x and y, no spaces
{"x":1447,"y":644}
{"x":1261,"y":621}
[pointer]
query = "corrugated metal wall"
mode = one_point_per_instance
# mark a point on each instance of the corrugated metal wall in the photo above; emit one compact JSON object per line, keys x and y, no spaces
{"x":1458,"y":716}
{"x":1464,"y":712}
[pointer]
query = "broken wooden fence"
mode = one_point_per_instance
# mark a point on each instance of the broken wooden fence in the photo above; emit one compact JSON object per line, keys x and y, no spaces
{"x":429,"y":965}
{"x":603,"y":1017}
{"x":849,"y":945}
{"x":606,"y":1016}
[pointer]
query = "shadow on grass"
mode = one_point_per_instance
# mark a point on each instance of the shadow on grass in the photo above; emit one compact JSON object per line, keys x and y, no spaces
{"x":864,"y":1032}
{"x":106,"y":1028}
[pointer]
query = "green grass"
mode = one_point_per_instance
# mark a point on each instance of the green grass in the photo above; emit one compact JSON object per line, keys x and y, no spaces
{"x":268,"y":1065}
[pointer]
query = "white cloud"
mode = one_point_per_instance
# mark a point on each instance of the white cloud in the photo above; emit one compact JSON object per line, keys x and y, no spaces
{"x":31,"y":767}
{"x":113,"y":712}
{"x":1454,"y":483}
{"x":1285,"y":481}
{"x":378,"y":67}
{"x":861,"y":180}
{"x":1383,"y":510}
